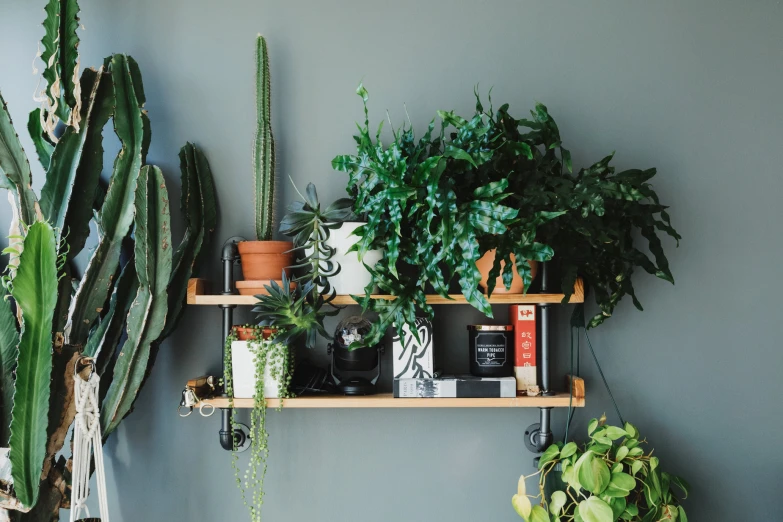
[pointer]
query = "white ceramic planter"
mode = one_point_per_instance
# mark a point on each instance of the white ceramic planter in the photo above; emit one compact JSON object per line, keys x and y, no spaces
{"x":353,"y":276}
{"x":243,"y":367}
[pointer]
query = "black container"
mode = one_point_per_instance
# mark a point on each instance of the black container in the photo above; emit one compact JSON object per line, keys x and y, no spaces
{"x":490,"y":350}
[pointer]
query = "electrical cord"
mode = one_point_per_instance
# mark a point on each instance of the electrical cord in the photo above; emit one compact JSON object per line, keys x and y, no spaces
{"x":577,"y":324}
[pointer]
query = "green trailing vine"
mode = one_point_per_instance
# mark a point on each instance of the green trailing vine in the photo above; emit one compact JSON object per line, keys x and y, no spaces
{"x":275,"y":355}
{"x":610,"y":478}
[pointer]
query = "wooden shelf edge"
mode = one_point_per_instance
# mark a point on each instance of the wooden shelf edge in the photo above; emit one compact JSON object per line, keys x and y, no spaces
{"x":386,"y":400}
{"x":198,"y":295}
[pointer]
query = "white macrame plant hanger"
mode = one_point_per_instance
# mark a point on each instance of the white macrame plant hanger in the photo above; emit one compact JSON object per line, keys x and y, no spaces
{"x":87,"y":440}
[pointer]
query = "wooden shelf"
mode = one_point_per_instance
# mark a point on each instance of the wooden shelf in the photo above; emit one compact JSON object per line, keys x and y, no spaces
{"x":198,"y":295}
{"x":386,"y":400}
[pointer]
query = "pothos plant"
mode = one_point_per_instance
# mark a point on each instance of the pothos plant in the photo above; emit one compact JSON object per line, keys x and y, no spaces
{"x":496,"y":182}
{"x":610,"y":478}
{"x":269,"y":353}
{"x":299,"y":312}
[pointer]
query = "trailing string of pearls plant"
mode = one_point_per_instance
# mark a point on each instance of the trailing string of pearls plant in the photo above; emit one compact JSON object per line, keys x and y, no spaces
{"x":275,"y":356}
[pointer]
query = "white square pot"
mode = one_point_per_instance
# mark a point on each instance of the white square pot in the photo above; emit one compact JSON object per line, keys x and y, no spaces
{"x":243,"y":367}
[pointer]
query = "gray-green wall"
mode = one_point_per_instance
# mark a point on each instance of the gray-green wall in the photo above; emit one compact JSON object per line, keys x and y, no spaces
{"x":692,"y":88}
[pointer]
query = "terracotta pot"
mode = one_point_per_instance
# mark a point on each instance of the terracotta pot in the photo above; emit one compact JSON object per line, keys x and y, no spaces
{"x":265,"y":260}
{"x":257,"y":287}
{"x":517,"y":286}
{"x":247,"y":333}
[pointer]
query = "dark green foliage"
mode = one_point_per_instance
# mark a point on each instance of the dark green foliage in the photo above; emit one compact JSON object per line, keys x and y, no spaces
{"x":436,"y":205}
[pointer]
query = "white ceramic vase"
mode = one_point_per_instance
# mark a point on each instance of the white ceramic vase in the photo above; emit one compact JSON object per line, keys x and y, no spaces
{"x":353,"y":276}
{"x":243,"y":370}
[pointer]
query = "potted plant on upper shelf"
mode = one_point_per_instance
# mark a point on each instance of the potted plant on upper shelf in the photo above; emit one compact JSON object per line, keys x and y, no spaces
{"x":263,"y":260}
{"x":443,"y":202}
{"x":609,"y":478}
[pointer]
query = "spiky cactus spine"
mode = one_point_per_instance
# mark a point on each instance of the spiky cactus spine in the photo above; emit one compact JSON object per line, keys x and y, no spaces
{"x":263,"y":147}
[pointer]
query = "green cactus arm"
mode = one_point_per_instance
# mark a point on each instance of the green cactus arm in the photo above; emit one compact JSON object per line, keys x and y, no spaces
{"x":35,"y":292}
{"x":43,"y":147}
{"x":108,"y":332}
{"x":15,"y":172}
{"x":88,"y":173}
{"x":78,"y":152}
{"x":116,"y":216}
{"x":147,"y":315}
{"x":264,"y":146}
{"x":105,"y":339}
{"x":199,"y":210}
{"x":61,"y":56}
{"x":9,"y":351}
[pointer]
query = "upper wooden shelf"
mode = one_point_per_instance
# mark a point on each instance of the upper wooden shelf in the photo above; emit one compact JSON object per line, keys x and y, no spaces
{"x":199,"y":295}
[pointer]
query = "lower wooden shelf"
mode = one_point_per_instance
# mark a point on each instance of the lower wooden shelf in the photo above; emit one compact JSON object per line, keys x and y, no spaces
{"x":386,"y":400}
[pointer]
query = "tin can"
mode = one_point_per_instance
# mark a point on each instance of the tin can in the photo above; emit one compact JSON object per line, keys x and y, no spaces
{"x":490,"y":350}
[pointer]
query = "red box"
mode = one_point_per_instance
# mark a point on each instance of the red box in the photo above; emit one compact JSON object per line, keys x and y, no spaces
{"x":523,"y":318}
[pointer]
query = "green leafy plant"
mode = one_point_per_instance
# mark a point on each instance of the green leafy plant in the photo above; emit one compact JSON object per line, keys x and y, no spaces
{"x":496,"y":182}
{"x":432,"y":203}
{"x":269,"y":352}
{"x":300,"y":311}
{"x":264,"y":146}
{"x":609,"y":478}
{"x":131,"y":294}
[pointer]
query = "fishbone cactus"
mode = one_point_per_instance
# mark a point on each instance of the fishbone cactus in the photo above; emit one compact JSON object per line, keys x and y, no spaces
{"x":52,"y":312}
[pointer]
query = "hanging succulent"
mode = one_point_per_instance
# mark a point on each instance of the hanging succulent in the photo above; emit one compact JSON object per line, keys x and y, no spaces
{"x":269,"y":353}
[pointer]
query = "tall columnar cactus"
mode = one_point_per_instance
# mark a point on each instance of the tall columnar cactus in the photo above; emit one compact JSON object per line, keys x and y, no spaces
{"x":131,"y":294}
{"x":263,"y":146}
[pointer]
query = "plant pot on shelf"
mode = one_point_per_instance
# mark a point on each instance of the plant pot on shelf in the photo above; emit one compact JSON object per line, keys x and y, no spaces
{"x":485,"y":263}
{"x":265,"y":260}
{"x":353,"y":276}
{"x":243,"y":366}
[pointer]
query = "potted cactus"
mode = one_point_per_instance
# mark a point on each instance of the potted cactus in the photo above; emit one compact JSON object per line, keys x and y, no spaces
{"x":263,"y":260}
{"x":133,"y":287}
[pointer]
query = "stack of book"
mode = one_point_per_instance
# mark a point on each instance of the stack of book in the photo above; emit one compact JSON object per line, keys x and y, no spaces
{"x":456,"y":386}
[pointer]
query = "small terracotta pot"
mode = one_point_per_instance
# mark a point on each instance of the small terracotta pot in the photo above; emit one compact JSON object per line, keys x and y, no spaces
{"x":517,"y":285}
{"x":244,"y":333}
{"x":265,"y":260}
{"x":257,"y":287}
{"x":248,"y":333}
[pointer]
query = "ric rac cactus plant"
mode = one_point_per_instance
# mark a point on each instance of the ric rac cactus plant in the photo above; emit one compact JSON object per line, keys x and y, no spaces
{"x":116,"y":310}
{"x":264,"y":147}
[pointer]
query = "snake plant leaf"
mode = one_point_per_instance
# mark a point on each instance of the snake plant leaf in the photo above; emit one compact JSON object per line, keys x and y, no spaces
{"x":15,"y":172}
{"x":72,"y":150}
{"x":61,"y":56}
{"x":43,"y":146}
{"x":147,"y":315}
{"x":9,"y":351}
{"x":117,"y":212}
{"x":35,"y":292}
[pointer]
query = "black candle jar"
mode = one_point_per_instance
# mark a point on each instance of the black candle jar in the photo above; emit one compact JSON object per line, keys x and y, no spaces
{"x":490,"y":350}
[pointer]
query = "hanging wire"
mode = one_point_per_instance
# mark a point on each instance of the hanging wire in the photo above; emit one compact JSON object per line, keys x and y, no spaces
{"x":577,"y":323}
{"x":606,"y":384}
{"x":570,"y":389}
